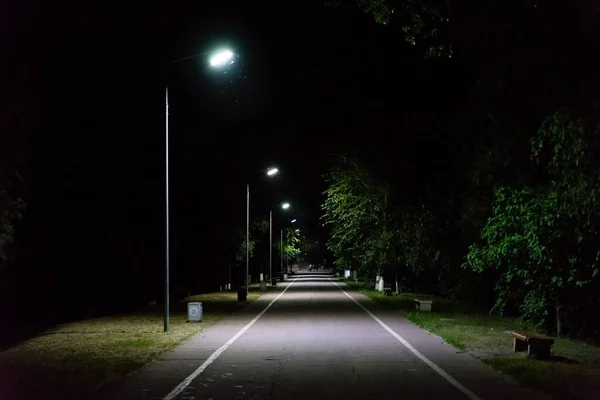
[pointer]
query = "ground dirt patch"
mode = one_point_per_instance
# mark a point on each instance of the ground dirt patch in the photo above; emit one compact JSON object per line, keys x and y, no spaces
{"x":74,"y":359}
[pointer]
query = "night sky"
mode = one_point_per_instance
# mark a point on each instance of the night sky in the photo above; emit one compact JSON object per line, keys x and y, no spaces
{"x":84,"y":92}
{"x":88,"y":80}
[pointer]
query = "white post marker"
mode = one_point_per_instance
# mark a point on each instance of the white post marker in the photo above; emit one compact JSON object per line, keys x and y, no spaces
{"x":220,"y":350}
{"x":427,"y":361}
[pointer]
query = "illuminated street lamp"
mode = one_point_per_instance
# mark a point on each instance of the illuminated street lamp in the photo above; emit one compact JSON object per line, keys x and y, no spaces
{"x":284,"y":206}
{"x":270,"y":172}
{"x":219,"y":58}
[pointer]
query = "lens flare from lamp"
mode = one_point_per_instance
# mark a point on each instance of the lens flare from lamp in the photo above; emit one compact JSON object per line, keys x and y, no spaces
{"x":221,"y":58}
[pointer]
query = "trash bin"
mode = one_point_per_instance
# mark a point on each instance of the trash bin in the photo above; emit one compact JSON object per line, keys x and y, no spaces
{"x":274,"y":281}
{"x":195,"y":312}
{"x":242,"y":295}
{"x":263,"y":286}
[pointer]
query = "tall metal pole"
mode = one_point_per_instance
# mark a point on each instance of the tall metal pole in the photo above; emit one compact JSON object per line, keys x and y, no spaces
{"x":271,"y":245}
{"x":247,"y":236}
{"x":281,"y":243}
{"x":166,"y":317}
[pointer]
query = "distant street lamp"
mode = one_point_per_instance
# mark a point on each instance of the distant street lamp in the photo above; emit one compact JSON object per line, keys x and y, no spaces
{"x":270,"y":172}
{"x":292,"y":221}
{"x":284,"y":206}
{"x":219,"y":58}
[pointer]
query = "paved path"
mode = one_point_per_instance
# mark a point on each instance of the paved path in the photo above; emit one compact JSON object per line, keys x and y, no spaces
{"x":317,"y":340}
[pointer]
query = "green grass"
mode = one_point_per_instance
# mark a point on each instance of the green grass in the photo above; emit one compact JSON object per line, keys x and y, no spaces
{"x":573,"y":371}
{"x":79,"y":357}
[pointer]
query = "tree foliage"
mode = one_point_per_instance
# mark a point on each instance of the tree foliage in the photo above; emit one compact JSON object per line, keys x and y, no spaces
{"x":373,"y":232}
{"x":422,"y":21}
{"x":438,"y":25}
{"x":357,"y":211}
{"x":538,"y":239}
{"x":258,"y":226}
{"x":11,"y":209}
{"x":292,"y":243}
{"x":542,"y":240}
{"x":415,"y":239}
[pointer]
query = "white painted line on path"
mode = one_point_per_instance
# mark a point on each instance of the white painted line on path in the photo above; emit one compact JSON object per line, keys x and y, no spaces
{"x":416,"y":352}
{"x":220,"y":350}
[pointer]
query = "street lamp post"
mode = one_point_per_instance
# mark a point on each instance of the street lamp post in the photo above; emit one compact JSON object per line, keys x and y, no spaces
{"x":166,"y":316}
{"x":271,"y":245}
{"x":293,"y":221}
{"x":247,"y":237}
{"x":270,"y":172}
{"x":218,"y":59}
{"x":284,"y":206}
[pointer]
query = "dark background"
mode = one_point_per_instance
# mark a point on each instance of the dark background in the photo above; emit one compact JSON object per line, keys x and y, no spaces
{"x":83,"y":117}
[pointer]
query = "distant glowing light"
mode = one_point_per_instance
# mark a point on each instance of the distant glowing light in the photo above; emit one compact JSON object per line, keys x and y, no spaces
{"x":272,"y":171}
{"x":221,"y":58}
{"x":285,"y":206}
{"x":292,"y":221}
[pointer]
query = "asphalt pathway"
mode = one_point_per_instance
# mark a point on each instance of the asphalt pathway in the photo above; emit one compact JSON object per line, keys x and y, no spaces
{"x":313,"y":339}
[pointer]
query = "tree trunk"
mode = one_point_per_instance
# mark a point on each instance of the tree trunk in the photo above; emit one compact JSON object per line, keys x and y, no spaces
{"x":385,"y":267}
{"x":558,"y":321}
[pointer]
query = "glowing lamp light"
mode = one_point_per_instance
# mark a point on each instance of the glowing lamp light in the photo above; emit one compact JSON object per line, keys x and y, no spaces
{"x":221,"y":58}
{"x":285,"y":206}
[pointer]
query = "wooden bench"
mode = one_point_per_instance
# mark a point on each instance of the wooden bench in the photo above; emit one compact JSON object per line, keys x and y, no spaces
{"x":423,"y":305}
{"x":536,"y":345}
{"x":387,"y":291}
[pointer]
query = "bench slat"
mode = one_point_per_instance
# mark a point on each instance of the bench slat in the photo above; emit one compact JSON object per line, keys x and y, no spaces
{"x":519,"y":335}
{"x":532,"y":337}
